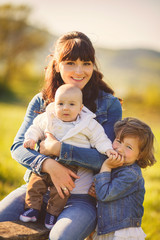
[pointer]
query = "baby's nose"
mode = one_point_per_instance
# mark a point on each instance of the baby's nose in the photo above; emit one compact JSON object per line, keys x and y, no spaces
{"x":65,"y":106}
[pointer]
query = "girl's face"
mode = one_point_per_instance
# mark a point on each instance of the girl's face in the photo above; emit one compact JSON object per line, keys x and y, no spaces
{"x":128,"y":148}
{"x":76,"y":72}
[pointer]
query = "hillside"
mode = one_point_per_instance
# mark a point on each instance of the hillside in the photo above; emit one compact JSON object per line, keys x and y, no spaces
{"x":130,"y":68}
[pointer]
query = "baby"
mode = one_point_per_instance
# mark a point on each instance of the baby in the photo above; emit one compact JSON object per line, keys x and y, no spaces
{"x":69,"y":121}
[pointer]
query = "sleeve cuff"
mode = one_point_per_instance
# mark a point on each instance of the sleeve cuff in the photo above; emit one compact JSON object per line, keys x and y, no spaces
{"x":37,"y":164}
{"x":66,"y":153}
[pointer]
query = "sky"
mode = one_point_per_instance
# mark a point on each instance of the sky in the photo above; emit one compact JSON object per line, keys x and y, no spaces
{"x":108,"y":23}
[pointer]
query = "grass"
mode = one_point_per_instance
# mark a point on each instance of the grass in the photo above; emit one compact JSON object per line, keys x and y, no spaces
{"x":11,"y":173}
{"x":151,"y":218}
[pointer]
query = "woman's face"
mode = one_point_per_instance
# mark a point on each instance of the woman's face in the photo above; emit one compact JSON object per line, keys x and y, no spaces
{"x":75,"y":72}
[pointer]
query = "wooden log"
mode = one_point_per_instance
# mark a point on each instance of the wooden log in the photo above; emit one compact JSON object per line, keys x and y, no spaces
{"x":18,"y":230}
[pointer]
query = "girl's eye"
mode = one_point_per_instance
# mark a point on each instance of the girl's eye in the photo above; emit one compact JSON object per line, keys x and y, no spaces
{"x":129,"y":147}
{"x":118,"y":140}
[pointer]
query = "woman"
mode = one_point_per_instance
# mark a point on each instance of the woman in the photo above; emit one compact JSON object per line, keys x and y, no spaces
{"x":73,"y":61}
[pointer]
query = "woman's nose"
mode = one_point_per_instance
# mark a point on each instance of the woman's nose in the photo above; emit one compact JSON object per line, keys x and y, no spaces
{"x":78,"y":69}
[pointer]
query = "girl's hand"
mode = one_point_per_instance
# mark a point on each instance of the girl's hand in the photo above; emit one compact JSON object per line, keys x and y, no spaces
{"x":92,"y":190}
{"x":50,"y":146}
{"x":112,"y":162}
{"x":60,"y":175}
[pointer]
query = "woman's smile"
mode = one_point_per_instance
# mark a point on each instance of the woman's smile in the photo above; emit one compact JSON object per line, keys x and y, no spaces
{"x":77,"y":79}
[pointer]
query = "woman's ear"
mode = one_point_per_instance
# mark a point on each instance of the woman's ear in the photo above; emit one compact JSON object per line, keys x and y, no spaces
{"x":57,"y":67}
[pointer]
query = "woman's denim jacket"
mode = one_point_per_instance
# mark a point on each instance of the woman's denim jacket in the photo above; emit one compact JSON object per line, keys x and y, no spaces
{"x":108,"y":112}
{"x":120,"y":195}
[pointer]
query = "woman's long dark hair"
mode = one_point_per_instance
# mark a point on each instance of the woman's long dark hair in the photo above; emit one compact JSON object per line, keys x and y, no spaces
{"x":72,"y":46}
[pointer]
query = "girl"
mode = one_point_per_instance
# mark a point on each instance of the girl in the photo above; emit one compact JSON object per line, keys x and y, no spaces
{"x":120,"y":191}
{"x":73,"y":61}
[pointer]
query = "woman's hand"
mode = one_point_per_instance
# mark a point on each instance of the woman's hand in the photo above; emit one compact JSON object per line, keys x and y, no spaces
{"x":112,"y":162}
{"x":60,"y":175}
{"x":50,"y":146}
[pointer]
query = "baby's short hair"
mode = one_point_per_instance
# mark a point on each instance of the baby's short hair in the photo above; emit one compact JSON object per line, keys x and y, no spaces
{"x":70,"y":88}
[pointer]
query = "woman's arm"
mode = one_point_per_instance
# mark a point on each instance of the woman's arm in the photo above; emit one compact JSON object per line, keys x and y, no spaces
{"x":30,"y":159}
{"x":84,"y":157}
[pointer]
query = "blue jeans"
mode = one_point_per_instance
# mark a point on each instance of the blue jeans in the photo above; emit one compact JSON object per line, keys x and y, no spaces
{"x":76,"y":222}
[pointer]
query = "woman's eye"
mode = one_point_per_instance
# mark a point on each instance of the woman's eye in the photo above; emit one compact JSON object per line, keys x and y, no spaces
{"x":70,"y":63}
{"x":118,"y":140}
{"x":87,"y":63}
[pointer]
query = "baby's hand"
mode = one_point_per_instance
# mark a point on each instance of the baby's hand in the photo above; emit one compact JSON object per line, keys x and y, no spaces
{"x":30,"y":143}
{"x":111,"y":152}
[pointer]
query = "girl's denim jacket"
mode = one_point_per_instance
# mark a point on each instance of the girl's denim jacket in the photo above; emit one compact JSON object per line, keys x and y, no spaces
{"x":120,"y":195}
{"x":108,"y":112}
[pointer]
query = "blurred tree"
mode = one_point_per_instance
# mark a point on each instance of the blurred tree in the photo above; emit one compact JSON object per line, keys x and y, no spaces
{"x":18,"y":41}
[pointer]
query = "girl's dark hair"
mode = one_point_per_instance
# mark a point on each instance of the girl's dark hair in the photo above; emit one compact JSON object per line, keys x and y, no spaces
{"x":72,"y":46}
{"x":136,"y":128}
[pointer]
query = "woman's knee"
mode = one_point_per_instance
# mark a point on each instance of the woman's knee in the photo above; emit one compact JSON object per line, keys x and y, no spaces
{"x":13,"y":205}
{"x":74,"y":223}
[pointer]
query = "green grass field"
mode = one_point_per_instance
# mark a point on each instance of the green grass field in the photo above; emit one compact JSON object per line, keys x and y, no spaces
{"x":11,"y":173}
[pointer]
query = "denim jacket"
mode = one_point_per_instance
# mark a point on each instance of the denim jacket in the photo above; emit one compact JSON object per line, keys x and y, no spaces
{"x":108,"y":112}
{"x":120,"y":195}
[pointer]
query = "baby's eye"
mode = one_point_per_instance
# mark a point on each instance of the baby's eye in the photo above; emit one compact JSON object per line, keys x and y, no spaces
{"x":72,"y":104}
{"x":60,"y":104}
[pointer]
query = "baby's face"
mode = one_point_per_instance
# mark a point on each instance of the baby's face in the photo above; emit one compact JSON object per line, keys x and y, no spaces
{"x":68,"y":106}
{"x":128,"y":148}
